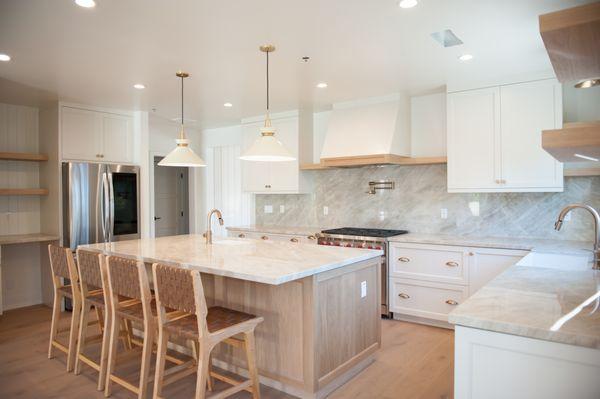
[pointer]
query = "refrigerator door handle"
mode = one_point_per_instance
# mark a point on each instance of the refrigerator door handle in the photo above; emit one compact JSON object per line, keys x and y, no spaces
{"x":111,"y":205}
{"x":105,"y":208}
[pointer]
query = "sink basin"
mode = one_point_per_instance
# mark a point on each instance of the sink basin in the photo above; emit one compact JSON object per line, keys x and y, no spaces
{"x":556,"y":261}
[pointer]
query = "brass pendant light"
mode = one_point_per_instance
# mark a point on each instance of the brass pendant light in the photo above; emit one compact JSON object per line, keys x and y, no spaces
{"x":267,"y":148}
{"x":182,"y":155}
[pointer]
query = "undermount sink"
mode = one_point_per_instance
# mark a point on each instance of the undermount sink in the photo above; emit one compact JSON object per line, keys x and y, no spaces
{"x":556,"y":261}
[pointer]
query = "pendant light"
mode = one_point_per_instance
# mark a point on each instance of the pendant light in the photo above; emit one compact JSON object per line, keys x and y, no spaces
{"x":182,"y":155}
{"x":267,"y":148}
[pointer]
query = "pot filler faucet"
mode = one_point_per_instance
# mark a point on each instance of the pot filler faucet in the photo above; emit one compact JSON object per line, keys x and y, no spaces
{"x":594,"y":213}
{"x":208,"y":233}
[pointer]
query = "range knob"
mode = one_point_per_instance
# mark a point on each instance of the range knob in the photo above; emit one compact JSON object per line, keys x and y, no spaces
{"x":349,"y":245}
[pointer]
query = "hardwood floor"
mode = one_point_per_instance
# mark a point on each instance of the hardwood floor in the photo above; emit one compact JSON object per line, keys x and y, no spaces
{"x":415,"y":362}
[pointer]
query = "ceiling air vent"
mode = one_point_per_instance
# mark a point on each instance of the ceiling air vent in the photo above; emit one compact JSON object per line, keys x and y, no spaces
{"x":446,"y":38}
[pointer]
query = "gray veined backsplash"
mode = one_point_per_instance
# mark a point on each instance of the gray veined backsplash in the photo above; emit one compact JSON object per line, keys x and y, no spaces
{"x":419,"y":196}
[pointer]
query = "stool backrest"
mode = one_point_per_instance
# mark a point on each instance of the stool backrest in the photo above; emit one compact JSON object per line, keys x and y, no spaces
{"x":124,"y":277}
{"x":63,"y":265}
{"x":89,"y":268}
{"x":180,"y":289}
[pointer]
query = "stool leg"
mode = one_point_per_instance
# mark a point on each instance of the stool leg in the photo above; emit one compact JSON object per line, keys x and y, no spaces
{"x":83,"y":324}
{"x":203,"y":358}
{"x":163,"y":339}
{"x":146,"y":357}
{"x":55,"y":322}
{"x":99,"y":315}
{"x":104,"y":351}
{"x":112,"y":353}
{"x":251,"y":357}
{"x":73,"y":334}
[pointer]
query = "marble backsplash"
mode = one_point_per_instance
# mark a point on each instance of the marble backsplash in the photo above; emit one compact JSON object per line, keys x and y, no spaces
{"x":416,"y":202}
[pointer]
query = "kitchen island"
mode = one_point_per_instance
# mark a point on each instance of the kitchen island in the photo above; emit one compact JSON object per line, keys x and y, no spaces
{"x":320,"y":304}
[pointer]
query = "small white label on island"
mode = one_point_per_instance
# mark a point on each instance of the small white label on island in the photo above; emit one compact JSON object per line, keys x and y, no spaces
{"x":363,"y":289}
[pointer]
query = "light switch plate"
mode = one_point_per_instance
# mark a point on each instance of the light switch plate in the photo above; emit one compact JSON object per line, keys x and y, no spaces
{"x":268,"y":208}
{"x":281,"y":208}
{"x":363,"y":289}
{"x":325,"y":210}
{"x":444,"y":213}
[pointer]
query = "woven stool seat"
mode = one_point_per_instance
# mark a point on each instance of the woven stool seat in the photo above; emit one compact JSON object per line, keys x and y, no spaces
{"x":136,"y":312}
{"x":218,"y":318}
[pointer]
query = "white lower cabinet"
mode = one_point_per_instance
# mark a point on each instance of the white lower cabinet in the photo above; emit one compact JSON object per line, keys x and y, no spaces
{"x":257,"y":235}
{"x":492,"y":365}
{"x":428,"y":281}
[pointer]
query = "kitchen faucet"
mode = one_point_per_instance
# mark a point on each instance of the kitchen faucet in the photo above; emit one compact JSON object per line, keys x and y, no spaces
{"x":208,"y":233}
{"x":594,"y":213}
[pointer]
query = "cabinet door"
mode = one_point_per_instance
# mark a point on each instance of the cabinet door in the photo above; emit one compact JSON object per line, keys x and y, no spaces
{"x":487,"y":263}
{"x":526,"y":110}
{"x":473,"y":131}
{"x":80,"y":134}
{"x":117,"y":138}
{"x":256,"y":176}
{"x":285,"y":175}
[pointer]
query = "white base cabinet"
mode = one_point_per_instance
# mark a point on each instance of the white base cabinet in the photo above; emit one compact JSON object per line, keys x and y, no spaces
{"x":492,"y":365}
{"x":257,"y":235}
{"x":495,"y":138}
{"x":428,"y":281}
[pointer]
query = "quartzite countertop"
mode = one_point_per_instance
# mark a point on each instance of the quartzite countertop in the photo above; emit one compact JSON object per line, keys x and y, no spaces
{"x":271,"y":262}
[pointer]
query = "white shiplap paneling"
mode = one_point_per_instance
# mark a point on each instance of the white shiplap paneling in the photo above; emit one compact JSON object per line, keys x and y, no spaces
{"x":19,"y":133}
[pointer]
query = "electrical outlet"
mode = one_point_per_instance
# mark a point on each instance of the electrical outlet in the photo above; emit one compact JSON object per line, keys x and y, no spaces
{"x":325,"y":210}
{"x":363,"y":289}
{"x":474,"y":207}
{"x":268,"y":208}
{"x":444,"y":213}
{"x":281,"y":208}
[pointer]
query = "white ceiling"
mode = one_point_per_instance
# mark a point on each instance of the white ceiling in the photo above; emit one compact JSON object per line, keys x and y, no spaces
{"x":360,"y":48}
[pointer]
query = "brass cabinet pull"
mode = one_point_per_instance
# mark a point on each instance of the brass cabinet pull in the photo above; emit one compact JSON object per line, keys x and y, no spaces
{"x":451,"y":302}
{"x":241,"y":235}
{"x":403,"y":259}
{"x":452,"y":264}
{"x":403,"y":295}
{"x":293,"y":239}
{"x":265,"y":237}
{"x":312,"y":237}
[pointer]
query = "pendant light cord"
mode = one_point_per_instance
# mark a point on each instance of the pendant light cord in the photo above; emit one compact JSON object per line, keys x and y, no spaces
{"x":182,"y":101}
{"x":268,"y":118}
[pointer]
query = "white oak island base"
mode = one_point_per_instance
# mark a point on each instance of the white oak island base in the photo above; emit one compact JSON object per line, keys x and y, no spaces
{"x":318,"y":331}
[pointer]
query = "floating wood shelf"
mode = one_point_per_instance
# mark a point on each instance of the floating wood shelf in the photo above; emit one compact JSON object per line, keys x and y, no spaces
{"x":312,"y":166}
{"x":574,"y":138}
{"x":571,"y":40}
{"x":582,"y":172}
{"x":379,"y":159}
{"x":23,"y":191}
{"x":23,"y":156}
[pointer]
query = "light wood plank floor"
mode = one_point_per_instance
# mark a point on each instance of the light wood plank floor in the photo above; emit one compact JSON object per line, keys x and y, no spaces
{"x":415,"y":362}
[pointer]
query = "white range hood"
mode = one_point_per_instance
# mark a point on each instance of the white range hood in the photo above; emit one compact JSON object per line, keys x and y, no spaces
{"x":367,"y":132}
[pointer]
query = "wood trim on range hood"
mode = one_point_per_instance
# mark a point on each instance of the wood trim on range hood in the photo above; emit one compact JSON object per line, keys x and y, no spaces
{"x":379,"y":159}
{"x":574,"y":138}
{"x":572,"y":38}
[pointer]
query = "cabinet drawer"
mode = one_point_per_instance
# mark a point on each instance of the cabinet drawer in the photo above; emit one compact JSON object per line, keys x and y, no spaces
{"x":429,"y":262}
{"x":425,"y":299}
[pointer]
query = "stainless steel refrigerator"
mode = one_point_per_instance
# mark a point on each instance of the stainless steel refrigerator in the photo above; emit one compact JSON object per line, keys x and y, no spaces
{"x":101,"y":203}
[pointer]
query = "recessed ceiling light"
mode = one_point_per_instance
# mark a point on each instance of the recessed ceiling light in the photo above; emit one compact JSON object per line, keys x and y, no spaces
{"x":407,"y":3}
{"x":322,"y":85}
{"x":228,"y":105}
{"x":139,"y":86}
{"x":465,"y":57}
{"x":586,"y":157}
{"x":4,"y":57}
{"x":85,"y":3}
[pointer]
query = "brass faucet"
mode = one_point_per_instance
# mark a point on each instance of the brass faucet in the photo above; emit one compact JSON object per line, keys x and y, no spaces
{"x":208,"y":233}
{"x":596,"y":217}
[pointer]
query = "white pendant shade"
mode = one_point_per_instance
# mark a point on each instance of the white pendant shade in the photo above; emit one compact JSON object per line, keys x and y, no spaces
{"x":182,"y":156}
{"x":267,"y":148}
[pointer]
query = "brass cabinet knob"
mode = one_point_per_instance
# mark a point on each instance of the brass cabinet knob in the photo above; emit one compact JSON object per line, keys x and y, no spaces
{"x":293,"y":239}
{"x":452,"y":264}
{"x":264,"y":237}
{"x":451,"y":302}
{"x":404,"y":259}
{"x":312,"y":237}
{"x":241,"y":235}
{"x":101,"y":155}
{"x":471,"y":254}
{"x":267,"y":186}
{"x":403,"y":295}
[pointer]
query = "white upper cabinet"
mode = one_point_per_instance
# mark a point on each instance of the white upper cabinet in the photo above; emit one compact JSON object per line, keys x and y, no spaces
{"x":88,"y":135}
{"x":494,"y":138}
{"x":278,"y":177}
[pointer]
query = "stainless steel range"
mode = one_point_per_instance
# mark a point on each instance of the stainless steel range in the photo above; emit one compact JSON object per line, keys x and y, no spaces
{"x":353,"y":237}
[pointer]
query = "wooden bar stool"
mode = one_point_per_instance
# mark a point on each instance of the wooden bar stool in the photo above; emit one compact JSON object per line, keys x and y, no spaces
{"x":131,"y":299}
{"x":63,"y":267}
{"x":182,"y":290}
{"x":93,"y":282}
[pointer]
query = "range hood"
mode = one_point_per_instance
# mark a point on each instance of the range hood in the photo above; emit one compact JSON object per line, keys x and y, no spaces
{"x":368,"y":132}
